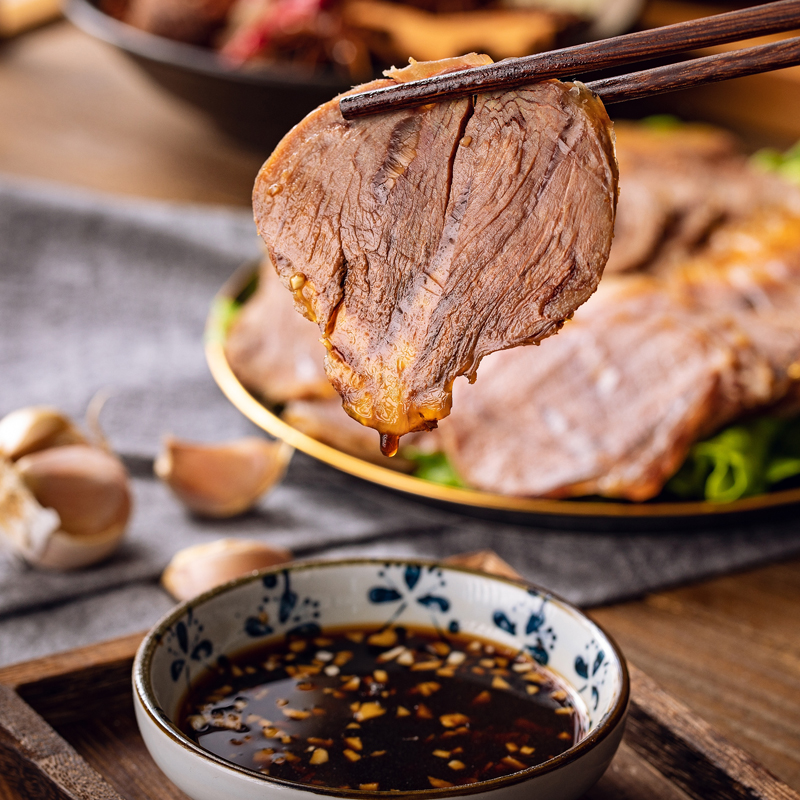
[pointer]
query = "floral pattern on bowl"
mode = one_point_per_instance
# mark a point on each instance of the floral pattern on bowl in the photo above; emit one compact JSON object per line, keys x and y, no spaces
{"x":313,"y":597}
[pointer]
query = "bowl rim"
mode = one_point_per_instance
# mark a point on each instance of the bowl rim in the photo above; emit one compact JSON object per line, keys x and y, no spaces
{"x":143,"y":690}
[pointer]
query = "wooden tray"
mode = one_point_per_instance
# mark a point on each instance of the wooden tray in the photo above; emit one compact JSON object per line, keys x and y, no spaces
{"x":67,"y":732}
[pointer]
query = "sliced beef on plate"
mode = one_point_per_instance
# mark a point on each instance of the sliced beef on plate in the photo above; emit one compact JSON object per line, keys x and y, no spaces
{"x":751,"y":272}
{"x":273,"y":351}
{"x":647,"y":367}
{"x":422,"y":240}
{"x":679,"y":185}
{"x":610,"y":406}
{"x":277,"y":355}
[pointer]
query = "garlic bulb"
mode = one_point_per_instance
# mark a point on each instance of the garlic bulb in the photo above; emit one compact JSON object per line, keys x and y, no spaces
{"x":222,"y":480}
{"x":85,"y":493}
{"x":27,"y":430}
{"x":196,"y":569}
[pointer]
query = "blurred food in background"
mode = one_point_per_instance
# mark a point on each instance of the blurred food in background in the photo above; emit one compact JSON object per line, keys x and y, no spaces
{"x":356,"y":38}
{"x":257,"y":67}
{"x":17,"y":16}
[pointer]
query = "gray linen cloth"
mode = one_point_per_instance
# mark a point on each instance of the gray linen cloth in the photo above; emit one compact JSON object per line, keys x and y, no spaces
{"x":102,"y":293}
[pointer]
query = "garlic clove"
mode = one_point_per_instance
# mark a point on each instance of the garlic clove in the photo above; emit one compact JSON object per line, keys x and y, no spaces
{"x":196,"y":569}
{"x":88,"y":487}
{"x":222,"y":480}
{"x":34,"y":533}
{"x":27,"y":430}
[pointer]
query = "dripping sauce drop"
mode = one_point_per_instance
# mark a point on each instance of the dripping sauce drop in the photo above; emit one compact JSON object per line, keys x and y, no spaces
{"x":389,"y":444}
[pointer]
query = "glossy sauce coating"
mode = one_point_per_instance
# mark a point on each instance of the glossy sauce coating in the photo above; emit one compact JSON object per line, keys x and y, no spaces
{"x":395,"y":709}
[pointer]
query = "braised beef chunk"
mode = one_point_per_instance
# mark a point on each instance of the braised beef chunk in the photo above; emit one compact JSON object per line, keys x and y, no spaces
{"x":422,"y":240}
{"x":751,"y":272}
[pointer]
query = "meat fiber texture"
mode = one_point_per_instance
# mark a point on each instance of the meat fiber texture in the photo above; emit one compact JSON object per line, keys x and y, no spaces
{"x":612,"y":404}
{"x":422,"y":240}
{"x":277,"y":355}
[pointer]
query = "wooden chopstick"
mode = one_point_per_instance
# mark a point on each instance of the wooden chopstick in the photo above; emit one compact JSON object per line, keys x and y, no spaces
{"x":719,"y":67}
{"x":669,"y":40}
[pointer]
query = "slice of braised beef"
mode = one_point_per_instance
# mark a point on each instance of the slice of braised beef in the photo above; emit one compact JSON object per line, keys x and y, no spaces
{"x":422,"y":240}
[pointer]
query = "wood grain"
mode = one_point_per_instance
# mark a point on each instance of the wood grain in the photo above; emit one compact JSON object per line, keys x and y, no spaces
{"x":75,"y":111}
{"x":36,"y":763}
{"x":668,"y":752}
{"x":698,"y":72}
{"x":688,"y":751}
{"x":112,"y":746}
{"x":730,"y":650}
{"x":78,"y":684}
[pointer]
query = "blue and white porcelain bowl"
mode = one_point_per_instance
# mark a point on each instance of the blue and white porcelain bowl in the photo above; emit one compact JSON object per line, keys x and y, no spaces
{"x":312,"y":597}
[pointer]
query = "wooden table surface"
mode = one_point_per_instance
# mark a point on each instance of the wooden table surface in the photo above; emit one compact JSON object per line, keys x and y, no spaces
{"x":72,"y":110}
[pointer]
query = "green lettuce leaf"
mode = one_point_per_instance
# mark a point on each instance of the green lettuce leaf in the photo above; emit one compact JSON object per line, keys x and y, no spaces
{"x":224,"y":311}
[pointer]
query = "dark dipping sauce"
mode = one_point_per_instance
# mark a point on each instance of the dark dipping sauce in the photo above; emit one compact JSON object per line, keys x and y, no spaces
{"x":396,"y":709}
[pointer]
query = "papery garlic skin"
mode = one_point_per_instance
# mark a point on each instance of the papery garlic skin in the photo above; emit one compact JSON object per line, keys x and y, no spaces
{"x":28,"y":430}
{"x":224,"y":479}
{"x":25,"y":526}
{"x":201,"y":567}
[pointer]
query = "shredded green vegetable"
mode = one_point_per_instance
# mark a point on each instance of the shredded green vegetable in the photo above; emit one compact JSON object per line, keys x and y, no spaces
{"x":740,"y":461}
{"x":433,"y":467}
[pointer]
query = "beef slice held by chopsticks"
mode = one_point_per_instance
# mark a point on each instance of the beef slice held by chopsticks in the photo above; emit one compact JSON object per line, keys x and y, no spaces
{"x":424,"y":239}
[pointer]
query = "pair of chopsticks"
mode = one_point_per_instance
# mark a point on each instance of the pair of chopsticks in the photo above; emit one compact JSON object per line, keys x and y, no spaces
{"x":670,"y":40}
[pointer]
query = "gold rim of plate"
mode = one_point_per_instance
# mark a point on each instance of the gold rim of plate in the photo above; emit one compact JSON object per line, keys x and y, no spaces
{"x":265,"y":419}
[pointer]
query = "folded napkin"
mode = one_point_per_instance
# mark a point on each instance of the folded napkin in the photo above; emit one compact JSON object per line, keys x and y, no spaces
{"x":102,"y":293}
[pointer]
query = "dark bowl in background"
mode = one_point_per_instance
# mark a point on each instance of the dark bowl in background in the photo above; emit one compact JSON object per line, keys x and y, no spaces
{"x":258,"y":105}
